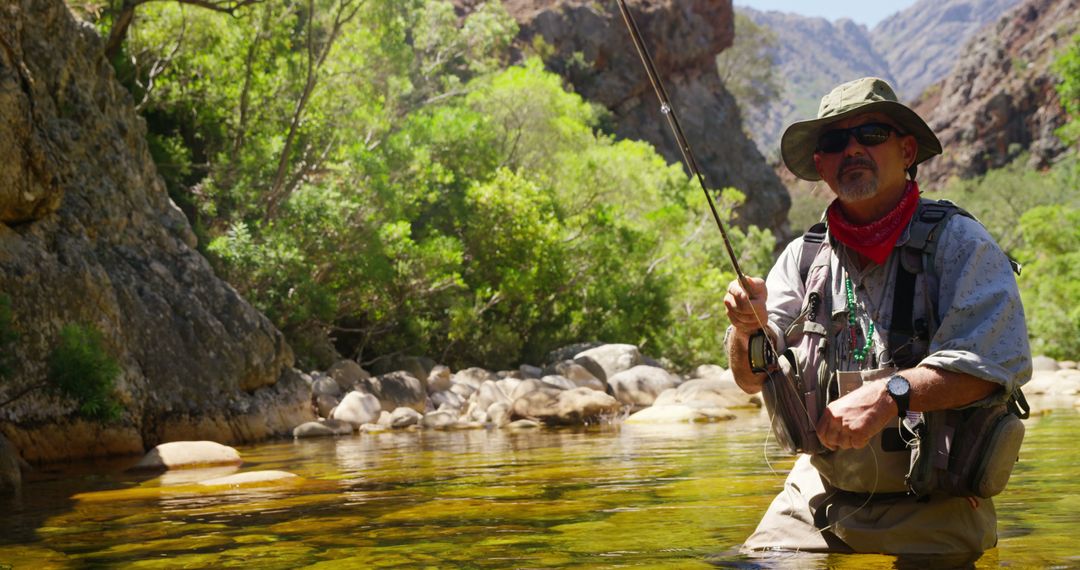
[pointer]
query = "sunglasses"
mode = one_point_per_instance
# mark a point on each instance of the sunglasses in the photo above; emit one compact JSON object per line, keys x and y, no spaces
{"x":868,"y":134}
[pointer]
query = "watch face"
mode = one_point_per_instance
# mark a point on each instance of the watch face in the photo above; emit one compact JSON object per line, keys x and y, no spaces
{"x":898,"y":386}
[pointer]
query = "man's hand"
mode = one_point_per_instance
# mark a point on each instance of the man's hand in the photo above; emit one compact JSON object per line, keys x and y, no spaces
{"x":742,"y":305}
{"x":849,"y":422}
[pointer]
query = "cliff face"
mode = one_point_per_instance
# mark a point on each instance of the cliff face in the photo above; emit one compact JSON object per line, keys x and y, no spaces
{"x":921,"y":44}
{"x":594,"y":52}
{"x":88,"y":235}
{"x":1000,"y":99}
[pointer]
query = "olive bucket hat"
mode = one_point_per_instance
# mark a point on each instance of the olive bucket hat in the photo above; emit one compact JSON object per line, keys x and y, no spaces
{"x":866,"y":95}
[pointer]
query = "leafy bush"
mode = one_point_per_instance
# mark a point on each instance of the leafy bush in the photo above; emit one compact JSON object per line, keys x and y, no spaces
{"x":81,"y":369}
{"x":1068,"y":67}
{"x":1050,"y":284}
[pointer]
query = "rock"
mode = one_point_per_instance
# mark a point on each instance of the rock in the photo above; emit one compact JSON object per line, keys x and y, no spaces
{"x":474,"y":413}
{"x":358,"y":408}
{"x":463,"y":390}
{"x":376,"y":428}
{"x":188,"y":454}
{"x":416,"y":366}
{"x":439,"y":420}
{"x":448,"y":399}
{"x":386,"y":418}
{"x":713,"y":392}
{"x":490,"y":393}
{"x":499,"y":414}
{"x":325,"y":385}
{"x":322,"y":428}
{"x":640,"y":385}
{"x":564,"y":407}
{"x":404,"y":417}
{"x":580,"y":375}
{"x":523,"y":424}
{"x":473,"y":377}
{"x":613,"y":358}
{"x":251,"y":478}
{"x":509,"y":374}
{"x":89,"y":235}
{"x":325,"y":405}
{"x":347,"y":373}
{"x":10,"y":470}
{"x":396,"y":389}
{"x":592,"y":366}
{"x":558,"y":382}
{"x":678,"y":413}
{"x":1043,"y":364}
{"x":508,"y":385}
{"x":529,"y":371}
{"x":439,"y":379}
{"x":569,"y":351}
{"x":528,"y":386}
{"x":1067,"y":364}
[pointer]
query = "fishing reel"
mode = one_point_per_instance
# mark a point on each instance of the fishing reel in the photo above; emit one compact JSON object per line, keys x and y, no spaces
{"x":762,"y":356}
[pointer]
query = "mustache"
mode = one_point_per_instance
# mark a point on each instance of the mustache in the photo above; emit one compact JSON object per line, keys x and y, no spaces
{"x":855,"y":161}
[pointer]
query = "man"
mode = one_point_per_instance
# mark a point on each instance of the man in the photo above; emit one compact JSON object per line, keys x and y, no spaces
{"x":854,"y":497}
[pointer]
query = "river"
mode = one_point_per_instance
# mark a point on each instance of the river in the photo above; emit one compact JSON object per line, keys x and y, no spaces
{"x":609,"y":496}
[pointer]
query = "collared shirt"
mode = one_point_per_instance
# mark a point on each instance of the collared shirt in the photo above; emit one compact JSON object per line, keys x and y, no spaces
{"x":971,"y":297}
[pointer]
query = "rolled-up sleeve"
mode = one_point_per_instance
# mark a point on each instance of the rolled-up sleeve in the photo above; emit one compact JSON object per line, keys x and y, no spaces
{"x":983,"y":332}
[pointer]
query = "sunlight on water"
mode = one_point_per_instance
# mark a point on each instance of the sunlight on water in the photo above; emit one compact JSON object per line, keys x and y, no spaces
{"x":603,"y":497}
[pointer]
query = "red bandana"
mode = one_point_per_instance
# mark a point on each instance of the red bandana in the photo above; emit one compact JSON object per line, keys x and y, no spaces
{"x":876,"y":239}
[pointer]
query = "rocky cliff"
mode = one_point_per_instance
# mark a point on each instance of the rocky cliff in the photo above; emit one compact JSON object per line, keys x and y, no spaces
{"x":1000,"y":99}
{"x":88,"y":235}
{"x":921,"y":44}
{"x":594,"y":52}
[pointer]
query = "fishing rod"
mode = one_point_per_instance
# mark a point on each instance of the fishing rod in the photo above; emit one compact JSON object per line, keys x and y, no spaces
{"x":684,"y":147}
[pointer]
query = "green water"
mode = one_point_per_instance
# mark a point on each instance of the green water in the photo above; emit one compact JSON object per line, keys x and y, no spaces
{"x":602,"y":497}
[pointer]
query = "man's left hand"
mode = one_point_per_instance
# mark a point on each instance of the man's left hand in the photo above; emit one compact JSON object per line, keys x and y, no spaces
{"x":849,"y":422}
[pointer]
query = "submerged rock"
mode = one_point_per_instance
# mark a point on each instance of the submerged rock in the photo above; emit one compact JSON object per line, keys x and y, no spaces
{"x":679,"y":413}
{"x":322,"y":428}
{"x":250,"y":478}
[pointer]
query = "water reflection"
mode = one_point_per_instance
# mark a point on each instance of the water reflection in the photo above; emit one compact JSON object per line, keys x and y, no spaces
{"x":602,"y":496}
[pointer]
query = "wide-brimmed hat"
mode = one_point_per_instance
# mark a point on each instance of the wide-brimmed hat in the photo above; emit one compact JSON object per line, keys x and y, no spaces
{"x":866,"y":95}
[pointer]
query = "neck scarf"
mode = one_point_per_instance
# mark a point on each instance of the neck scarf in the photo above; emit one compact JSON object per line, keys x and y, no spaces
{"x":876,"y":239}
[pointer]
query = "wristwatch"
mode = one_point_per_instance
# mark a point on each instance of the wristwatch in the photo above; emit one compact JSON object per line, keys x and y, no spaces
{"x":900,"y":390}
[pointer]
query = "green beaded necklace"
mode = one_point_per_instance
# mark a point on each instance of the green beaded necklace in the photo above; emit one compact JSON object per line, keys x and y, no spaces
{"x":858,"y":353}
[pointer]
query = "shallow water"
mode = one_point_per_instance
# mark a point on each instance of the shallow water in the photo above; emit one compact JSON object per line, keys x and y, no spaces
{"x":601,"y":497}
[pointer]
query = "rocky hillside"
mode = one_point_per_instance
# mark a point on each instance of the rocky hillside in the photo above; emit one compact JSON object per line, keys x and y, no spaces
{"x":912,"y":49}
{"x":1000,"y":99}
{"x":88,"y":235}
{"x":813,"y":55}
{"x":593,"y":50}
{"x":921,"y":44}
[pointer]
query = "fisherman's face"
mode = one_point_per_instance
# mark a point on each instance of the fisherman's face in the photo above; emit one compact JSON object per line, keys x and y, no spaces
{"x":865,"y":171}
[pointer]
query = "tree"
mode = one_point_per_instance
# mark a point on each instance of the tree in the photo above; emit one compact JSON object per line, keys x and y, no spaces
{"x":748,"y":67}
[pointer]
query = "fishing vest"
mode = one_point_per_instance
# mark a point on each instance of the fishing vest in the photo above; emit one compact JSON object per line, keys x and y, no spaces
{"x":962,"y":452}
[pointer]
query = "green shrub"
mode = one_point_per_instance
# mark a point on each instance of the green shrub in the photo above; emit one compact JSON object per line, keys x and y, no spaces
{"x":81,"y":369}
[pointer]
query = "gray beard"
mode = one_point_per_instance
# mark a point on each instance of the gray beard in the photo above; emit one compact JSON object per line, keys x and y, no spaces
{"x":856,"y":190}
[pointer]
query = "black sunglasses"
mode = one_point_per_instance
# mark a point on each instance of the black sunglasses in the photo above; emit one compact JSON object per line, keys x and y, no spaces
{"x":868,"y":134}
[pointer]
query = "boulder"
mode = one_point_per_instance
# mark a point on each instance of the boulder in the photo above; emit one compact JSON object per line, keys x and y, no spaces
{"x":358,"y":408}
{"x":404,"y":417}
{"x":1044,"y":363}
{"x":251,"y":478}
{"x":322,"y":428}
{"x":613,"y":358}
{"x":579,"y":374}
{"x":448,"y":400}
{"x":640,"y":385}
{"x":508,"y":385}
{"x":594,"y":368}
{"x":558,"y":382}
{"x":710,"y":392}
{"x":529,"y":371}
{"x":499,"y":414}
{"x":416,"y":366}
{"x":523,"y":424}
{"x":439,"y":379}
{"x":325,"y":404}
{"x":396,"y":389}
{"x":473,"y":377}
{"x":490,"y":393}
{"x":528,"y":386}
{"x":679,"y":413}
{"x":347,"y":373}
{"x":1067,"y":364}
{"x":187,"y":455}
{"x":325,"y":385}
{"x":565,"y":407}
{"x":439,"y":420}
{"x":463,"y":390}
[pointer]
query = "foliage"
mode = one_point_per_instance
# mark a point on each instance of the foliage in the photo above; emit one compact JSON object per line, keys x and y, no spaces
{"x":376,"y":171}
{"x":80,"y":368}
{"x":1051,"y":283}
{"x":1068,"y":67}
{"x":8,"y":336}
{"x":748,"y":68}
